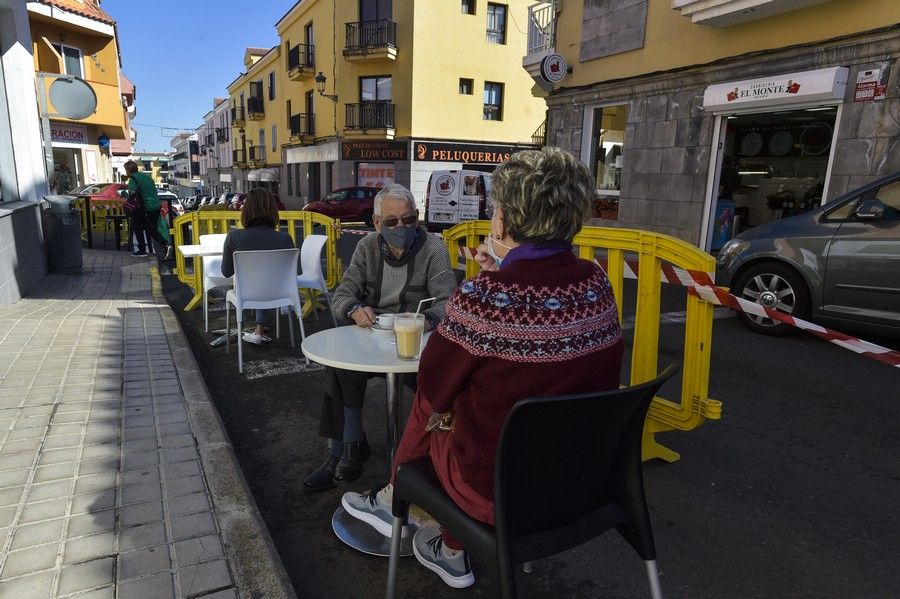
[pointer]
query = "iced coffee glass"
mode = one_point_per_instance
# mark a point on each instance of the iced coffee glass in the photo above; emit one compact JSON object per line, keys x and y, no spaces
{"x":408,"y":329}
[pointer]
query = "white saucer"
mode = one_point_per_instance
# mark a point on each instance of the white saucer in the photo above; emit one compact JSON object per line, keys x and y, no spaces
{"x":377,"y":330}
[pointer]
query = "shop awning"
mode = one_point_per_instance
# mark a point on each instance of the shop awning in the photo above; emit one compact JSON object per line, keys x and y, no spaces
{"x":264,"y":174}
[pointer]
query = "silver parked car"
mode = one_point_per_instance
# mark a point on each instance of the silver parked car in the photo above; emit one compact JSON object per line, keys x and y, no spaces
{"x":838,"y":265}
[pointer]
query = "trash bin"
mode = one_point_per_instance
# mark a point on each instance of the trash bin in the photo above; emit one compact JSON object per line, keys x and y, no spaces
{"x":723,"y":224}
{"x":62,"y":235}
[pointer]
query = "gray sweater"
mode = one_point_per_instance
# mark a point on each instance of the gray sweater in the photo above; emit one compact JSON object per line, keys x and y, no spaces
{"x":259,"y":237}
{"x":424,"y":271}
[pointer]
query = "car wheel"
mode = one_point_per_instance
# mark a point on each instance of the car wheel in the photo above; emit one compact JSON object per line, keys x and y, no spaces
{"x":367,"y":218}
{"x":772,"y":285}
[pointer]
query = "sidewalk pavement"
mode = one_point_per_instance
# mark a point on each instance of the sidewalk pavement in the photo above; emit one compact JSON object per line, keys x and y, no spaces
{"x":117,"y":478}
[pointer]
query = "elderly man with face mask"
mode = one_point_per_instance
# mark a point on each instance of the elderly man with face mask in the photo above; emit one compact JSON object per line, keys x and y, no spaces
{"x":390,"y":272}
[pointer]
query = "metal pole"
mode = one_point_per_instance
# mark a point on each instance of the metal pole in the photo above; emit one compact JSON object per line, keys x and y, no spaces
{"x":394,"y":391}
{"x":45,"y":132}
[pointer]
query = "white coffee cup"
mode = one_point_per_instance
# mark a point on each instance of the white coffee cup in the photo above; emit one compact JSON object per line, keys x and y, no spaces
{"x":385,"y":321}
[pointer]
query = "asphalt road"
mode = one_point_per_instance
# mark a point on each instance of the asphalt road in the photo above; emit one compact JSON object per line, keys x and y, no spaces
{"x":792,"y":493}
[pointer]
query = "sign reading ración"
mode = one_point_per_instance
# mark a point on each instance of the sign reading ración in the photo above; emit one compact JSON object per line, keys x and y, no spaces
{"x":71,"y":134}
{"x":464,"y":153}
{"x":375,"y":150}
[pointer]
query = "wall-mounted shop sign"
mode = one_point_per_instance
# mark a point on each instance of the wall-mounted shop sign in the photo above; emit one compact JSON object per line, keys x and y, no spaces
{"x":465,"y":153}
{"x":553,"y":68}
{"x":329,"y":152}
{"x":374,"y":174}
{"x":792,"y":88}
{"x":374,"y":150}
{"x":70,"y":134}
{"x":869,"y":86}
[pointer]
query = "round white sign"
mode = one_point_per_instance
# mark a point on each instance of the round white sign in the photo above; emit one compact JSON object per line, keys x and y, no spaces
{"x":553,"y":68}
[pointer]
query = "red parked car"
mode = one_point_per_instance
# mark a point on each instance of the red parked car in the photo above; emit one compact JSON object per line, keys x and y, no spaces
{"x":119,"y":191}
{"x":107,"y":192}
{"x":348,"y":204}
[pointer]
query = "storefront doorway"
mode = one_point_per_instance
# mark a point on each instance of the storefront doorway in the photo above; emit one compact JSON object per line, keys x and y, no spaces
{"x":67,"y":169}
{"x":769,"y":165}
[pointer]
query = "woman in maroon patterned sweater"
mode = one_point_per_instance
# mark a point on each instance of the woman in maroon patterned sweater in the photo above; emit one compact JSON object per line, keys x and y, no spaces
{"x":536,"y":322}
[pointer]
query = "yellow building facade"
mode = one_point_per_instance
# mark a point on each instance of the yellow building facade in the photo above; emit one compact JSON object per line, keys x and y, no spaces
{"x":692,"y":113}
{"x":404,"y":88}
{"x":258,"y":122}
{"x":79,"y":38}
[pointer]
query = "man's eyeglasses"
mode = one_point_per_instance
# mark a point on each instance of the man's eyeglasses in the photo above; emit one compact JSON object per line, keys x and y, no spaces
{"x":393,"y":221}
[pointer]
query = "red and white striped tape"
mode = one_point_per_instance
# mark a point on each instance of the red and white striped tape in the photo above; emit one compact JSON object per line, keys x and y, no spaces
{"x":366,"y":232}
{"x":355,"y":231}
{"x":701,"y":284}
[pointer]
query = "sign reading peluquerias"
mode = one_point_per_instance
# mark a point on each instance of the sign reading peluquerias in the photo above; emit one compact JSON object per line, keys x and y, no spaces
{"x":820,"y":85}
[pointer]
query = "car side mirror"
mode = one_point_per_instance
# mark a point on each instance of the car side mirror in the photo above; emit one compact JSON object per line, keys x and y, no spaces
{"x":870,"y":210}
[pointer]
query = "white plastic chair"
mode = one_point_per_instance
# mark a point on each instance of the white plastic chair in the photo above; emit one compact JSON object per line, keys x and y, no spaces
{"x":212,"y":272}
{"x":263,"y":279}
{"x":311,"y":263}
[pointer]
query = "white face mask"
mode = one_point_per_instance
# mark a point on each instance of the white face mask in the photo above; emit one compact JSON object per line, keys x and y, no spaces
{"x":493,"y":253}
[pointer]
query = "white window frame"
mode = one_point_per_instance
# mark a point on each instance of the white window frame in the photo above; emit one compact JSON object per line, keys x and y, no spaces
{"x":492,"y":16}
{"x":62,"y":56}
{"x":502,"y":87}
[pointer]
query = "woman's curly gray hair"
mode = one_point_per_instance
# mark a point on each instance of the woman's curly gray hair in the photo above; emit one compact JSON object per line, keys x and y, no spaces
{"x":544,"y":194}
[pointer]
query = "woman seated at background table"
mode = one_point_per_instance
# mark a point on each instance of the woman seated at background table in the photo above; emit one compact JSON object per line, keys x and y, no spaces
{"x":259,"y":216}
{"x":537,"y":321}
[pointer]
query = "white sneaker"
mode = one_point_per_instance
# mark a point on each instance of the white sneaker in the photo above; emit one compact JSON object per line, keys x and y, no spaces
{"x":452,"y":566}
{"x":374,"y":508}
{"x":253,"y":338}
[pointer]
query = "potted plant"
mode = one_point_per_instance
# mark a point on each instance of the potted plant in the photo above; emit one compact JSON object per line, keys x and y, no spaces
{"x":606,"y":208}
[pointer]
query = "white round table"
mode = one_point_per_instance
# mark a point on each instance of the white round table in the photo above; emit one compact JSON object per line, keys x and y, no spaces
{"x":355,"y":348}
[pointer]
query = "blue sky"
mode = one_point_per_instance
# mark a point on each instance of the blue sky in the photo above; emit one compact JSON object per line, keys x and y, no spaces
{"x":181,"y":54}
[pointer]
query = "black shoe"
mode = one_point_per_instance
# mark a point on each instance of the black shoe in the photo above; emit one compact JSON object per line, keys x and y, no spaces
{"x":139,"y":254}
{"x":322,"y":478}
{"x":352,"y":460}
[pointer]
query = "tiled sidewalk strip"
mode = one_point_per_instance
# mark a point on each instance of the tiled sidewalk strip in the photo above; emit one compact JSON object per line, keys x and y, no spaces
{"x":116,"y":478}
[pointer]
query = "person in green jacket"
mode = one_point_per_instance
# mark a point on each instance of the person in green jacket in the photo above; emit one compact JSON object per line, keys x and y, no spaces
{"x":146,"y":223}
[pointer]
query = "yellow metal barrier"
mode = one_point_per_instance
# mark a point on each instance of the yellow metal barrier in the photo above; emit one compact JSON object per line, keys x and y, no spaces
{"x":198,"y":223}
{"x":652,"y":250}
{"x":93,"y":215}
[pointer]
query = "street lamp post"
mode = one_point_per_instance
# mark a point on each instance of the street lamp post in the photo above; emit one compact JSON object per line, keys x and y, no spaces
{"x":320,"y":86}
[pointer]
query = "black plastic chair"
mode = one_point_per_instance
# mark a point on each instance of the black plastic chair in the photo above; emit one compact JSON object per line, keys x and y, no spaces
{"x":568,"y":469}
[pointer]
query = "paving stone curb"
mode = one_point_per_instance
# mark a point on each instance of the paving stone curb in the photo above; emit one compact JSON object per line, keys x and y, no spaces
{"x":257,"y":569}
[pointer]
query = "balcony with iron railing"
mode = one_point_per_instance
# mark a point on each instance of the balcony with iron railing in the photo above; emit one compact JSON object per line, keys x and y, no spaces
{"x":303,"y":127}
{"x":237,"y":116}
{"x":256,"y":108}
{"x":239,"y":157}
{"x":221,"y":134}
{"x":371,"y":118}
{"x":257,"y":155}
{"x":541,"y":35}
{"x":301,"y":62}
{"x":371,"y":40}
